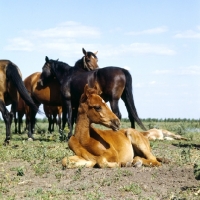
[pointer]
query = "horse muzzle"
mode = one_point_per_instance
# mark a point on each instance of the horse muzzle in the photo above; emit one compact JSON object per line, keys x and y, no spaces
{"x":115,"y":124}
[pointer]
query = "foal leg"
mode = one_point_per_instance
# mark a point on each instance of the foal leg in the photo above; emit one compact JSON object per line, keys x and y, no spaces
{"x":142,"y":149}
{"x":102,"y":161}
{"x":82,"y":157}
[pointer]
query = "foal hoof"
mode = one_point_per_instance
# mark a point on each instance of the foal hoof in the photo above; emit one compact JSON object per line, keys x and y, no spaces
{"x":30,"y":139}
{"x":137,"y":164}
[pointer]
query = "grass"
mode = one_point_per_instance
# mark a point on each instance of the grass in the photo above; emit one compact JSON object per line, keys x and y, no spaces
{"x":22,"y":162}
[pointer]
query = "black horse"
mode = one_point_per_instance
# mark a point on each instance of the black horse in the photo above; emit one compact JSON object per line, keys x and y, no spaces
{"x":114,"y":82}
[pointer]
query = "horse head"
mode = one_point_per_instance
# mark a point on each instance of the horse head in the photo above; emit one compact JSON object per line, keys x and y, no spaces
{"x":46,"y":71}
{"x":97,"y":110}
{"x":89,"y":60}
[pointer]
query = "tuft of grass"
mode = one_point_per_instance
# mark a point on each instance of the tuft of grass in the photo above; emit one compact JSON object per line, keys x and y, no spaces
{"x":133,"y":187}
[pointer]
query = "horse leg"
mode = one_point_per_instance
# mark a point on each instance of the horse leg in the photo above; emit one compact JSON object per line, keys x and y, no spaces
{"x":49,"y":120}
{"x":59,"y":122}
{"x":13,"y":114}
{"x":16,"y":121}
{"x":31,"y":124}
{"x":7,"y":119}
{"x":141,"y":148}
{"x":20,"y":116}
{"x":103,"y":160}
{"x":67,"y":116}
{"x":76,"y":161}
{"x":115,"y":107}
{"x":54,"y":122}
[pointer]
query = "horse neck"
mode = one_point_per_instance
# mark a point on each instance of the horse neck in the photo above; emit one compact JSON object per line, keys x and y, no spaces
{"x":79,"y":65}
{"x":82,"y":129}
{"x":61,"y":71}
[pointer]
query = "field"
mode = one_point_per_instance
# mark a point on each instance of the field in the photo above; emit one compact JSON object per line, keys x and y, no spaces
{"x":32,"y":170}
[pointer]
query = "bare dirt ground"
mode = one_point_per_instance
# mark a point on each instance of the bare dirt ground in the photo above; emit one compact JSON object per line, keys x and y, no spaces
{"x":170,"y":181}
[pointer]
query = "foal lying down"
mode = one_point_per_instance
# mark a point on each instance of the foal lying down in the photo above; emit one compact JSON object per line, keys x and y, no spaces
{"x":105,"y":148}
{"x":161,"y":134}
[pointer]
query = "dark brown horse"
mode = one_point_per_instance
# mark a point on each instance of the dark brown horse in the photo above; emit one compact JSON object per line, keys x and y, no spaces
{"x":49,"y":93}
{"x":115,"y":83}
{"x":51,"y":113}
{"x":11,"y":85}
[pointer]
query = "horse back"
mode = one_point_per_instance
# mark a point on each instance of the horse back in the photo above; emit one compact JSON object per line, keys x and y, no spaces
{"x":48,"y":94}
{"x":112,"y":82}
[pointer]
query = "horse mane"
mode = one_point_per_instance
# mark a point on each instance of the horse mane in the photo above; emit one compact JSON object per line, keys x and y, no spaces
{"x":79,"y":63}
{"x":63,"y":67}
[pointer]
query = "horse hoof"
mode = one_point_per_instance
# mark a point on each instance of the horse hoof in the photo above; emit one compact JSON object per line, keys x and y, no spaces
{"x":6,"y":142}
{"x":128,"y":164}
{"x":137,"y":164}
{"x":30,"y":139}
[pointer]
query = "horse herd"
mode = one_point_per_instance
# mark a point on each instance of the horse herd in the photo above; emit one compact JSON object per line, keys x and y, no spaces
{"x":79,"y":92}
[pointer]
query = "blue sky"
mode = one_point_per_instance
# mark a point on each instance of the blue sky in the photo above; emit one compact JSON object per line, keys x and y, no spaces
{"x":158,"y":41}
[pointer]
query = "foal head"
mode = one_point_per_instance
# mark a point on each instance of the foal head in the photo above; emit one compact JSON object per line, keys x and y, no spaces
{"x":96,"y":109}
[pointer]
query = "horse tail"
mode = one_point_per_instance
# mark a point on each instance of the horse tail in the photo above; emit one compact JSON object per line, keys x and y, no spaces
{"x":127,"y":97}
{"x":13,"y":75}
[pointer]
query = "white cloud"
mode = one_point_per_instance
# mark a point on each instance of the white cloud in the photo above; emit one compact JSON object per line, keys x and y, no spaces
{"x":65,"y":39}
{"x":191,"y":70}
{"x":162,"y":72}
{"x":152,"y":83}
{"x":67,"y":30}
{"x":60,"y":38}
{"x":190,"y":34}
{"x":20,"y":44}
{"x":147,"y":48}
{"x":152,"y":31}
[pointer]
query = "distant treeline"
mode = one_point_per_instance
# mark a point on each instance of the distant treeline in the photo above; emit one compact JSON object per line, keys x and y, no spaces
{"x":165,"y":120}
{"x":143,"y":120}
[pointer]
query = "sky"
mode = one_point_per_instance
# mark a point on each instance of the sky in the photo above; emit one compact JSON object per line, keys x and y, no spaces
{"x":157,"y":41}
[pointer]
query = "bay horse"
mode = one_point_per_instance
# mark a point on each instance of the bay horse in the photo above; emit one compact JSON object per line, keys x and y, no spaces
{"x":115,"y":83}
{"x":48,"y":95}
{"x":94,"y":147}
{"x":51,"y":113}
{"x":20,"y":112}
{"x":11,"y":86}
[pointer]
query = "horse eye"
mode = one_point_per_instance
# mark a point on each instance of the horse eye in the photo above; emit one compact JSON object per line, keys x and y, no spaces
{"x":97,"y":108}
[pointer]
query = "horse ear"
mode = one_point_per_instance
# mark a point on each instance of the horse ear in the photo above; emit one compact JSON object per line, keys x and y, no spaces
{"x":96,"y":52}
{"x":46,"y":59}
{"x":97,"y":88}
{"x":84,"y":51}
{"x":86,"y":90}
